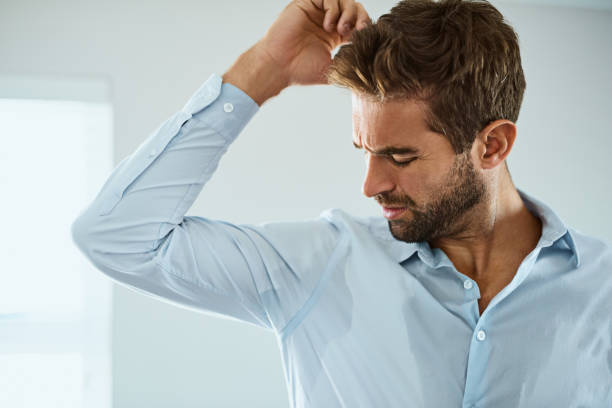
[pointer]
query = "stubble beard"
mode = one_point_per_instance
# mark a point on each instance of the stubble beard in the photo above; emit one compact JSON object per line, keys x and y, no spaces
{"x":443,"y":217}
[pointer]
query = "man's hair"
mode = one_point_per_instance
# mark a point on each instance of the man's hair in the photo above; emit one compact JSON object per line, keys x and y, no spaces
{"x":458,"y":57}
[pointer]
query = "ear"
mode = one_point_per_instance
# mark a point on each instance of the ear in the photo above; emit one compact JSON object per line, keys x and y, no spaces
{"x":494,"y":142}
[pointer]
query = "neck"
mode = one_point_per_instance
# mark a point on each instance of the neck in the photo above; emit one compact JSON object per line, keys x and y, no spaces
{"x":496,"y":236}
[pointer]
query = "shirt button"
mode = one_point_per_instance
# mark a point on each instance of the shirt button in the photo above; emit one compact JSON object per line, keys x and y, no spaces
{"x":152,"y":153}
{"x":467,"y":284}
{"x":228,"y":107}
{"x":481,"y":335}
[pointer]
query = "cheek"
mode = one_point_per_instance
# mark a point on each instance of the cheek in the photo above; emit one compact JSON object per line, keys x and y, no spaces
{"x":428,"y":179}
{"x":418,"y":184}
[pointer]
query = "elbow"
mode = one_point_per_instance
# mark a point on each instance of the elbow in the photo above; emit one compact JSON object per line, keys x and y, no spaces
{"x":106,"y":251}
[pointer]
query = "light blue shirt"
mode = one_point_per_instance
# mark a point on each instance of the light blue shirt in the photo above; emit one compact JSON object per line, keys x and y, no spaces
{"x":362,"y":319}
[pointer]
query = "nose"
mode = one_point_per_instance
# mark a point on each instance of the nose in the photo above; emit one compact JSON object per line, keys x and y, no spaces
{"x":377,"y":179}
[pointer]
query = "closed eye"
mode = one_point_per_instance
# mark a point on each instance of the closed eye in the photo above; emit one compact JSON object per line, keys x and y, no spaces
{"x":401,"y":163}
{"x":394,"y":159}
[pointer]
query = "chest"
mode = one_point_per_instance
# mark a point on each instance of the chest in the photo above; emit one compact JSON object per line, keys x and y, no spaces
{"x":490,"y":285}
{"x":416,"y":346}
{"x":488,"y":292}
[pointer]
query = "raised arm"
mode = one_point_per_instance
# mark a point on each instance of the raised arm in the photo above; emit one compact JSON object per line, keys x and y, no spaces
{"x":136,"y":232}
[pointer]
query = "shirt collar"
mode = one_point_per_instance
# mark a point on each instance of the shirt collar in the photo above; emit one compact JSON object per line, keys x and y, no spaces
{"x":554,"y":233}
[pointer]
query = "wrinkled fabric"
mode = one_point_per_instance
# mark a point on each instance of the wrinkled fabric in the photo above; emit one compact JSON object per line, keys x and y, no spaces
{"x":361,"y":319}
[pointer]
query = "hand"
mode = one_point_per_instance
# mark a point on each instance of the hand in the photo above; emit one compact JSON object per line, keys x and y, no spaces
{"x":306,"y":32}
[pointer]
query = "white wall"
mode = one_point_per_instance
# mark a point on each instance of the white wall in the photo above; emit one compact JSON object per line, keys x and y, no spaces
{"x":157,"y":53}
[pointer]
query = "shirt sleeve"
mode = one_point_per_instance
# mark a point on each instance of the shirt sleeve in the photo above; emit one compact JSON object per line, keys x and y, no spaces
{"x":135,"y":231}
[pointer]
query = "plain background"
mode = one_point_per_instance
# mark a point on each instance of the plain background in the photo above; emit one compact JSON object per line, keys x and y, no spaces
{"x":295,"y":158}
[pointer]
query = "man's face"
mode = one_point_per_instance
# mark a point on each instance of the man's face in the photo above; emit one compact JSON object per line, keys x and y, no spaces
{"x":436,"y":187}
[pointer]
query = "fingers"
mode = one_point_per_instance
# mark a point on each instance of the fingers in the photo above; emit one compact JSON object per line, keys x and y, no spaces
{"x":344,"y":16}
{"x":332,"y":12}
{"x":363,"y":19}
{"x":347,"y":20}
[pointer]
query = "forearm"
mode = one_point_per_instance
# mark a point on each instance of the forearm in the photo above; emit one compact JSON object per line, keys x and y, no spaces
{"x":256,"y":74}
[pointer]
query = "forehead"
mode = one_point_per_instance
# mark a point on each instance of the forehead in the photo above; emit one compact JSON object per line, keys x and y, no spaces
{"x":391,"y":123}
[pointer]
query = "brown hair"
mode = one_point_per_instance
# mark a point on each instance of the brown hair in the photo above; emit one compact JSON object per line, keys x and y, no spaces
{"x":458,"y":57}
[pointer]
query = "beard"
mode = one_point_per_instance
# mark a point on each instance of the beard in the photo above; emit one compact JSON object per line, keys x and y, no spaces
{"x":442,"y":217}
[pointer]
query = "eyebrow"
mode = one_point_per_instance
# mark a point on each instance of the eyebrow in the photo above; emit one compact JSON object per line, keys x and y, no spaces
{"x":387,"y":150}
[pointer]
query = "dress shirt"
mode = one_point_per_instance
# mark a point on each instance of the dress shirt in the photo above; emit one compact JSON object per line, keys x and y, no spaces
{"x":361,"y":319}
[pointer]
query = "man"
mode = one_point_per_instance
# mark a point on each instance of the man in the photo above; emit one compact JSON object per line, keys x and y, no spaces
{"x":469,"y":292}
